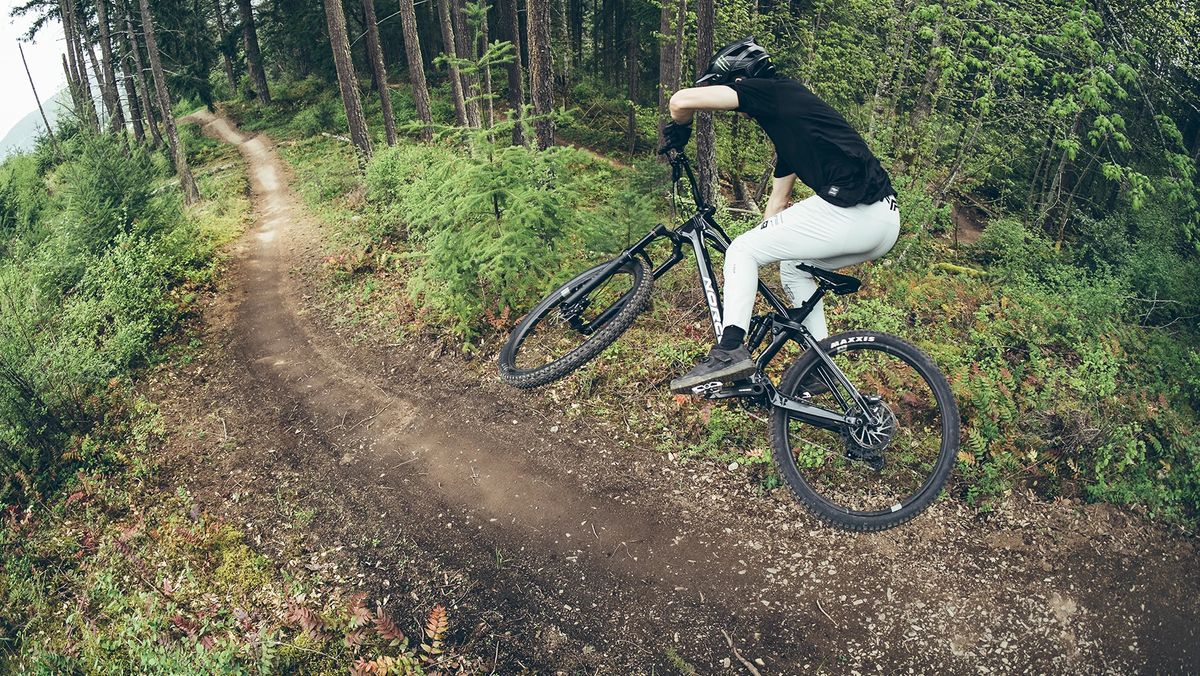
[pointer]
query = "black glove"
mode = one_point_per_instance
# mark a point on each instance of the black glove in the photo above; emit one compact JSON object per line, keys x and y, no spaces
{"x":676,"y":136}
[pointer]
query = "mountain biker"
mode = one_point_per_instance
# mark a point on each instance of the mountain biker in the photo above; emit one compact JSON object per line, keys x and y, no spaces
{"x":852,"y":218}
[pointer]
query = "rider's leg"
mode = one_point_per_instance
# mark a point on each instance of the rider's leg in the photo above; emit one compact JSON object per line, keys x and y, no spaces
{"x":800,"y":286}
{"x":811,"y":229}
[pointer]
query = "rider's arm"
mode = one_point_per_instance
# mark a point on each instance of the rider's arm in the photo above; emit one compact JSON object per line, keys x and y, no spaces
{"x":781,"y":194}
{"x":685,"y":102}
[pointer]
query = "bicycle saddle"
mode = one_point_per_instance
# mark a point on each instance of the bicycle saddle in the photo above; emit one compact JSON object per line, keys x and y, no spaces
{"x":834,"y":281}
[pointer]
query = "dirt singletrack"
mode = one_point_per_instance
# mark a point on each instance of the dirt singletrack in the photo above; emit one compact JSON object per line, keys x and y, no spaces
{"x":571,"y":554}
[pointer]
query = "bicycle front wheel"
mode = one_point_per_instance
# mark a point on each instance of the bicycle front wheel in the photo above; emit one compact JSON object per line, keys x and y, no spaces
{"x":553,"y":340}
{"x":871,"y":476}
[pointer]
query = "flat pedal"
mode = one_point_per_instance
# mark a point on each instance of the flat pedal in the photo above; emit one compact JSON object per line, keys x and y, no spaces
{"x":708,"y":389}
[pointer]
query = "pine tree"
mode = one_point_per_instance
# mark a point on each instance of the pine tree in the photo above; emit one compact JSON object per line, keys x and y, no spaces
{"x":186,"y":183}
{"x":375,"y":56}
{"x":253,"y":55}
{"x":347,"y":81}
{"x":541,"y":82}
{"x":416,"y":67}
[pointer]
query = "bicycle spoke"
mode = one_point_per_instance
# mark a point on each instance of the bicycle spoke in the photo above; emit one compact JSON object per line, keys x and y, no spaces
{"x":876,"y":468}
{"x":563,"y":329}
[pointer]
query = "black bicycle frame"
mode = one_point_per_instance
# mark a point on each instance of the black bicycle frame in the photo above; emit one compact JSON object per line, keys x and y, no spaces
{"x":784,"y":323}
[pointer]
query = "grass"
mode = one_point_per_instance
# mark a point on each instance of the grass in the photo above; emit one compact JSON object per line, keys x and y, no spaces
{"x":1025,"y":358}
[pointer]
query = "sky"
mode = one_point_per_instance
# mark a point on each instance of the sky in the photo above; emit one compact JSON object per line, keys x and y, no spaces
{"x":45,"y":63}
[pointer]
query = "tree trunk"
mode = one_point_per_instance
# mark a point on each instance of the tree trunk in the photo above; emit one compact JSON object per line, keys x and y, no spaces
{"x":924,"y":102}
{"x":416,"y":67}
{"x":70,"y":65}
{"x":90,"y":50}
{"x":541,"y":83}
{"x":45,"y":120}
{"x":222,"y":39}
{"x":149,"y":98}
{"x":631,"y":76}
{"x":106,"y":59}
{"x":456,"y":85}
{"x":575,"y":29}
{"x":375,"y":53}
{"x":706,"y":135}
{"x":71,"y":86}
{"x":516,"y":79}
{"x":739,"y":167}
{"x":135,"y":101}
{"x":186,"y":183}
{"x":564,"y":53}
{"x":335,"y":19}
{"x":484,"y":35}
{"x":674,"y":13}
{"x":111,"y":106}
{"x":253,"y":56}
{"x":677,"y":52}
{"x":75,"y":45}
{"x":465,"y":47}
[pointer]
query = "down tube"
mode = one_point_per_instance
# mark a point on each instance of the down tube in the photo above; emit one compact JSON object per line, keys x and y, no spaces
{"x":717,"y":238}
{"x":711,"y":295}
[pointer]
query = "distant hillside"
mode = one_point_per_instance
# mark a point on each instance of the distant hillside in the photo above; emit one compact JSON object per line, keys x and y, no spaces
{"x":23,"y":135}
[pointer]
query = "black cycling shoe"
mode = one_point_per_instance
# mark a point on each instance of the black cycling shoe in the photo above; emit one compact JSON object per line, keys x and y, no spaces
{"x":719,"y":365}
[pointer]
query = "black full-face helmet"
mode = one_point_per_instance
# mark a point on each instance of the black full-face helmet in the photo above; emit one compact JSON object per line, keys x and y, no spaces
{"x":744,"y":58}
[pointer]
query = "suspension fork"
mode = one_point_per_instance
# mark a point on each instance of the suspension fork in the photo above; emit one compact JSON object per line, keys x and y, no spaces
{"x":627,"y":255}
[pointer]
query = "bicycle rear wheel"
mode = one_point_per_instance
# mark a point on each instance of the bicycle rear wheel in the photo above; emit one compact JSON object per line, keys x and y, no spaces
{"x":552,"y":340}
{"x":870,"y":477}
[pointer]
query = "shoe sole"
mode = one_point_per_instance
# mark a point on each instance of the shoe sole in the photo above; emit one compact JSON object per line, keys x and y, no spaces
{"x":734,"y":372}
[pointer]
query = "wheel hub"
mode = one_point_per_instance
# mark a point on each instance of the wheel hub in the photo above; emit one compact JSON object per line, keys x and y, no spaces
{"x":866,"y":441}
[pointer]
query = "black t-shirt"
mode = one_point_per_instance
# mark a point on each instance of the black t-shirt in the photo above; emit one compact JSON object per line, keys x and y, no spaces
{"x":813,"y":141}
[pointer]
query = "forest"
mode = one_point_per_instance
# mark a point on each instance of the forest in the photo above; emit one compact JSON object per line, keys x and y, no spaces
{"x":464,"y":158}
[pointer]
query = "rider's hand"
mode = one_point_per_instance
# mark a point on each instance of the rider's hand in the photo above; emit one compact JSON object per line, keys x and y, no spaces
{"x":676,"y":136}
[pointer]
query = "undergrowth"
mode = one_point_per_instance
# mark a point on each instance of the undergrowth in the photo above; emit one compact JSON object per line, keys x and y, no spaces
{"x":1070,"y":382}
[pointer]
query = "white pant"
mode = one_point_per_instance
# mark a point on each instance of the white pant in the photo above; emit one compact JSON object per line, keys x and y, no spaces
{"x":811,"y":231}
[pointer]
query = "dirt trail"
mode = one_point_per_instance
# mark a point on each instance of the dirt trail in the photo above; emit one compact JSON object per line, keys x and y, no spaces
{"x":577,"y":555}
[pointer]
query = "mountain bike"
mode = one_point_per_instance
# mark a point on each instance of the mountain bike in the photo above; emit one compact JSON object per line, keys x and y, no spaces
{"x":863,"y":426}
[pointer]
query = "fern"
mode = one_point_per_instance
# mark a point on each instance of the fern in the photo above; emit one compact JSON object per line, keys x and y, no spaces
{"x":435,"y":633}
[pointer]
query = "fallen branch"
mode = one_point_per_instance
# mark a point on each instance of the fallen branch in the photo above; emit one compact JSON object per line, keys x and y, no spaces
{"x":745,"y":662}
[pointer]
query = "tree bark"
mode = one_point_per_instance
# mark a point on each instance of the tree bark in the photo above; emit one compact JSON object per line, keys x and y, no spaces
{"x":98,"y":73}
{"x":541,"y":83}
{"x":75,"y":40}
{"x":516,"y":79}
{"x":186,"y":183}
{"x":223,"y":35}
{"x":563,"y":39}
{"x":335,"y":19}
{"x":106,"y":59}
{"x":706,"y":136}
{"x":375,"y":53}
{"x":416,"y":67}
{"x":149,"y":98}
{"x":69,"y":61}
{"x":484,"y":36}
{"x":135,"y":101}
{"x":632,"y":73}
{"x":45,"y":120}
{"x":71,"y":86}
{"x":575,"y":29}
{"x":669,"y":56}
{"x":253,"y":56}
{"x":456,"y":83}
{"x":465,"y":48}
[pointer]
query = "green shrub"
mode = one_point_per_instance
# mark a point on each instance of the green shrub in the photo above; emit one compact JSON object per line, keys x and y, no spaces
{"x":316,"y":118}
{"x":108,"y":193}
{"x":495,"y":229}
